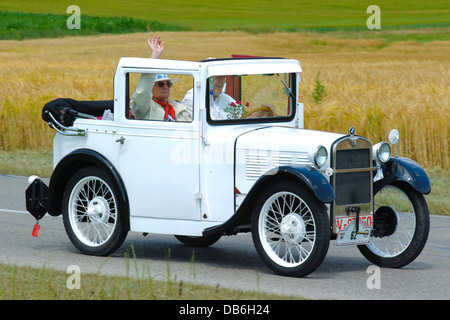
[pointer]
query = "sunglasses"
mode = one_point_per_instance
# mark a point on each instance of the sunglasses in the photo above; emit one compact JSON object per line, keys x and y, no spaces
{"x":162,"y":83}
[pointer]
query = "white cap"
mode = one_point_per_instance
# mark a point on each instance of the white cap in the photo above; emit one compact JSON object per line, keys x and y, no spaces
{"x":164,"y":77}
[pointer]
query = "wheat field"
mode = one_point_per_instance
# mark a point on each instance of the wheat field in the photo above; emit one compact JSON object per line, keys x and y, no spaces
{"x":370,"y":84}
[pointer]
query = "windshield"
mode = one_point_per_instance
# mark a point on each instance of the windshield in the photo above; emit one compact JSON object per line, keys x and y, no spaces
{"x":251,"y":97}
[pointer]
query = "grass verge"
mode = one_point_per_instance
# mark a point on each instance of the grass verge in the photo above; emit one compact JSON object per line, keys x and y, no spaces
{"x":26,"y":163}
{"x":27,"y":283}
{"x":439,"y":200}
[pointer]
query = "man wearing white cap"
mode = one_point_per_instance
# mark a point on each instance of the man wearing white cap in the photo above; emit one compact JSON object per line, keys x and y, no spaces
{"x":151,"y":100}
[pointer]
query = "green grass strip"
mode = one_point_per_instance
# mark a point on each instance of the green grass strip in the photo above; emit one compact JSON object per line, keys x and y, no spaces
{"x":28,"y":283}
{"x":20,"y":25}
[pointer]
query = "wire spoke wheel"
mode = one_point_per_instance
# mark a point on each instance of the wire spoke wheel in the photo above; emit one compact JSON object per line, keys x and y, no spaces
{"x":401,"y":227}
{"x":91,"y":213}
{"x":290,"y":229}
{"x":287,"y":229}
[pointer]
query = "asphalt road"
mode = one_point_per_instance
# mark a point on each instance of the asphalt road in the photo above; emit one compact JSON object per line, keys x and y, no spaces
{"x":231,"y":262}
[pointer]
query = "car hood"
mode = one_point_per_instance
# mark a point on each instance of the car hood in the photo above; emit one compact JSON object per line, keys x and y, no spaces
{"x":261,"y":150}
{"x":285,"y":139}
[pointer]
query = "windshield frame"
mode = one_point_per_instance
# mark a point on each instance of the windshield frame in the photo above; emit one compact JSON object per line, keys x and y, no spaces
{"x":291,"y":99}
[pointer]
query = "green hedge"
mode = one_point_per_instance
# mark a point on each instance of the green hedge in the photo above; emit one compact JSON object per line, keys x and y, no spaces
{"x":20,"y":25}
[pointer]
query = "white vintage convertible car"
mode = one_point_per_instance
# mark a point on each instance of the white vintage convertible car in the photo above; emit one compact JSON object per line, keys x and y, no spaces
{"x":241,"y":161}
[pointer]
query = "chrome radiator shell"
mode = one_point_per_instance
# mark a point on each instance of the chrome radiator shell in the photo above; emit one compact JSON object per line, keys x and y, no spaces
{"x":352,"y":179}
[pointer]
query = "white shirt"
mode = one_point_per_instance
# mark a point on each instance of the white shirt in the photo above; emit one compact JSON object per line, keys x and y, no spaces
{"x":217,"y":109}
{"x":143,"y":107}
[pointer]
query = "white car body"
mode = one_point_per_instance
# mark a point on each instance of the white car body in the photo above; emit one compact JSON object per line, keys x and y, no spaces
{"x":179,"y":191}
{"x":293,"y":188}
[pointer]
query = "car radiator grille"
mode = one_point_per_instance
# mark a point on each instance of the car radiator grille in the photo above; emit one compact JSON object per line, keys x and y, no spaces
{"x":353,"y":176}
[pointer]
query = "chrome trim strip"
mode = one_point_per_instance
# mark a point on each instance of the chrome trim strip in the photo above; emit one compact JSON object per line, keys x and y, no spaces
{"x":354,"y":170}
{"x":62,"y":129}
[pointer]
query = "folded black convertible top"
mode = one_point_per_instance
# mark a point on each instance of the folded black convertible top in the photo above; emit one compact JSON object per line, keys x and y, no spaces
{"x":67,"y":110}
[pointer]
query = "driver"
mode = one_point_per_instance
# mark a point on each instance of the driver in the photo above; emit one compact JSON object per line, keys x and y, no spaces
{"x":151,"y":99}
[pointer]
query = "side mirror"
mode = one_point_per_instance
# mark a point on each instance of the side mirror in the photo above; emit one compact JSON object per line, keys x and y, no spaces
{"x":394,"y":136}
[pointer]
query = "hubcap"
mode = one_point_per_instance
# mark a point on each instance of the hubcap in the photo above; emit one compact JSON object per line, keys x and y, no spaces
{"x":293,"y":228}
{"x":98,"y":210}
{"x":385,"y":222}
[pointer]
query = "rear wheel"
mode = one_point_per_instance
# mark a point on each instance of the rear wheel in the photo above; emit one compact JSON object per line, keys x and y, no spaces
{"x":401,"y":227}
{"x":290,"y":229}
{"x":91,"y":213}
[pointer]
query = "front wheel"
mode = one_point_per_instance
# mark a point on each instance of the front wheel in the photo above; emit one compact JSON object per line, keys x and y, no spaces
{"x":91,"y":213}
{"x":401,"y":227}
{"x":290,"y":229}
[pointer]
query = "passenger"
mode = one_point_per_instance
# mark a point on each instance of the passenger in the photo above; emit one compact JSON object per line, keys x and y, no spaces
{"x":221,"y":99}
{"x":151,"y":100}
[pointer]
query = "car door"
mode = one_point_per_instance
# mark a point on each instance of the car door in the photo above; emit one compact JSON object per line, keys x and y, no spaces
{"x":157,"y":158}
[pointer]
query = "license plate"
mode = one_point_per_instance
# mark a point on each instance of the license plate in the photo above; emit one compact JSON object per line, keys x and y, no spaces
{"x":346,"y":230}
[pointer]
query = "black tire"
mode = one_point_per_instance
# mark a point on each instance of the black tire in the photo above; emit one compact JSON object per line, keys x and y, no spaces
{"x":290,"y":229}
{"x":401,"y":227}
{"x":91,"y":213}
{"x":199,"y":242}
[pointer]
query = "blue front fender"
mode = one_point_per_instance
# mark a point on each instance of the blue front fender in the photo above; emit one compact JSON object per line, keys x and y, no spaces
{"x":311,"y":177}
{"x":406,"y":170}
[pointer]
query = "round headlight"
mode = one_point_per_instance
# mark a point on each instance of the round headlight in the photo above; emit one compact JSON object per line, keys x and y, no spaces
{"x":320,"y":156}
{"x":382,"y":151}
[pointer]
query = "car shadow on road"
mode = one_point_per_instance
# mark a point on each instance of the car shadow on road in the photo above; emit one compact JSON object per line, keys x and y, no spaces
{"x":232,"y":253}
{"x":223,"y":254}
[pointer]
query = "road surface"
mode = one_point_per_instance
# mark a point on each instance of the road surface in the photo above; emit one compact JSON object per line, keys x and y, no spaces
{"x":231,"y":262}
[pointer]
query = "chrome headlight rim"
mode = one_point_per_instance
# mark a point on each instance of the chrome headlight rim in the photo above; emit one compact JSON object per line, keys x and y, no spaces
{"x":382,"y":152}
{"x":320,"y":156}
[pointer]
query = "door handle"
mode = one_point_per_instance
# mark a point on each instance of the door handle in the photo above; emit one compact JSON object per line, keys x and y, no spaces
{"x":121,"y":140}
